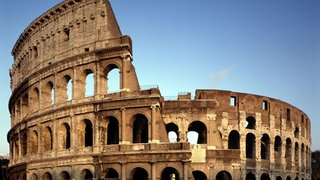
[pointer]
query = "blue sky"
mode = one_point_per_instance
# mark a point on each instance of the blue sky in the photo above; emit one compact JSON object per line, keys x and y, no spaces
{"x":270,"y":48}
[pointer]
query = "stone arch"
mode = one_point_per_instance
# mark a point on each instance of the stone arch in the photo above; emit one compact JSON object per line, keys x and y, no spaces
{"x":85,"y":133}
{"x":250,"y":122}
{"x":265,"y":147}
{"x":234,"y":140}
{"x":277,"y":147}
{"x":47,"y":139}
{"x":201,"y":129}
{"x":278,"y":178}
{"x":296,"y":132}
{"x":288,"y":149}
{"x":250,"y":176}
{"x":64,"y":175}
{"x":265,"y":176}
{"x":48,"y":93}
{"x":174,"y":130}
{"x":25,"y":105}
{"x":111,"y":174}
{"x":47,"y":176}
{"x":89,"y":83}
{"x":199,"y":175}
{"x":288,"y":178}
{"x":296,"y":153}
{"x":250,"y":145}
{"x":170,"y":173}
{"x":140,"y":129}
{"x":303,"y":155}
{"x":64,"y":136}
{"x":23,"y":142}
{"x":110,"y":130}
{"x":35,"y":99}
{"x":34,"y":177}
{"x":139,"y":174}
{"x":33,"y":140}
{"x":114,"y":83}
{"x":66,"y":85}
{"x":86,"y":174}
{"x":223,"y":175}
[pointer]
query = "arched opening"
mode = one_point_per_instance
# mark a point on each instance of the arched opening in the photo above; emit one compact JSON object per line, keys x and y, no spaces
{"x":35,"y":99}
{"x":86,"y":174}
{"x":112,"y":75}
{"x":265,"y":176}
{"x":234,"y":140}
{"x":113,"y":131}
{"x":25,"y":105}
{"x":67,"y":86}
{"x":250,"y":146}
{"x":139,"y":174}
{"x":278,"y":178}
{"x":302,"y":155}
{"x":50,"y":89}
{"x":111,"y":174}
{"x":173,"y":132}
{"x":64,"y":136}
{"x":223,"y":175}
{"x":201,"y":129}
{"x":199,"y":175}
{"x":47,"y":176}
{"x":64,"y":175}
{"x":47,"y":139}
{"x":250,"y":176}
{"x":296,"y":132}
{"x":170,"y":173}
{"x":288,"y":178}
{"x":33,"y":140}
{"x":250,"y":122}
{"x":89,"y":83}
{"x":277,"y":147}
{"x":34,"y":177}
{"x":265,"y":147}
{"x":140,"y":129}
{"x":23,"y":142}
{"x":85,"y":133}
{"x":288,"y":148}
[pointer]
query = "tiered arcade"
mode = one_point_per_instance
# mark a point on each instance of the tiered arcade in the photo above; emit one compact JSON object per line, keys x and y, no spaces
{"x":68,"y":124}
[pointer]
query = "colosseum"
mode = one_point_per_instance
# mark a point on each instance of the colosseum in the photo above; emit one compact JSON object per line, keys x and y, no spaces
{"x":64,"y":127}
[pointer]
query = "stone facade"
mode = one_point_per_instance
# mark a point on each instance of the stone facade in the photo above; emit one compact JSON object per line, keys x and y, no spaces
{"x":64,"y":127}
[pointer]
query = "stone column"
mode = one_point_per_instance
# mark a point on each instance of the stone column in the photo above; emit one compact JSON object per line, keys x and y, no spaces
{"x":154,"y":128}
{"x":126,"y":59}
{"x":123,"y":171}
{"x":153,"y":170}
{"x":123,"y":126}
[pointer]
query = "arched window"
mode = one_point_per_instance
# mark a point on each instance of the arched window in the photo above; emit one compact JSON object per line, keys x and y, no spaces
{"x":64,"y":136}
{"x":296,"y":154}
{"x":250,"y":122}
{"x":85,"y":133}
{"x":265,"y":147}
{"x":111,"y":174}
{"x":250,"y":176}
{"x":265,"y":176}
{"x":23,"y":142}
{"x":25,"y":105}
{"x":64,"y":175}
{"x":33,"y":140}
{"x":34,"y":99}
{"x":170,"y":173}
{"x":199,"y":175}
{"x":278,"y":178}
{"x":139,"y":174}
{"x":296,"y":132}
{"x":113,"y":131}
{"x":48,"y":94}
{"x":302,"y":155}
{"x":234,"y":140}
{"x":288,"y":148}
{"x":89,"y":83}
{"x":67,"y":87}
{"x":173,"y":132}
{"x":140,"y":129}
{"x":47,"y":139}
{"x":86,"y":174}
{"x":201,"y":129}
{"x":250,"y":146}
{"x":277,"y":147}
{"x":34,"y":177}
{"x":112,"y":75}
{"x":223,"y":175}
{"x":47,"y":176}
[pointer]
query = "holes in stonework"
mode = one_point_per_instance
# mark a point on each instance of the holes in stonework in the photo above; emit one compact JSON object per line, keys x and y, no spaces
{"x":86,"y":49}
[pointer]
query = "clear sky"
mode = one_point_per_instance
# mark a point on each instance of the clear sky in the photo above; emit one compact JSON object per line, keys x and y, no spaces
{"x":269,"y":48}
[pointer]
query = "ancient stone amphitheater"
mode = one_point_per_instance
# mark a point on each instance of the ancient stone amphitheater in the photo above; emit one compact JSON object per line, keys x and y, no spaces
{"x":67,"y":124}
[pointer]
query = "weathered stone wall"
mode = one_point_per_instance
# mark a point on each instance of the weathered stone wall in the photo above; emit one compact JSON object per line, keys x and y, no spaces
{"x":67,"y":124}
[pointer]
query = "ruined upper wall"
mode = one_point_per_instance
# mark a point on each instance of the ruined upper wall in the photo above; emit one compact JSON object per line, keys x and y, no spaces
{"x":70,"y":28}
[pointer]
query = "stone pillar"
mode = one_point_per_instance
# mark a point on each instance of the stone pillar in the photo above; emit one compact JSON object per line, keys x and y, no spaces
{"x":123,"y":127}
{"x":153,"y":170}
{"x":212,"y":126}
{"x":154,"y":128}
{"x":126,"y":60}
{"x":185,"y":169}
{"x":123,"y":171}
